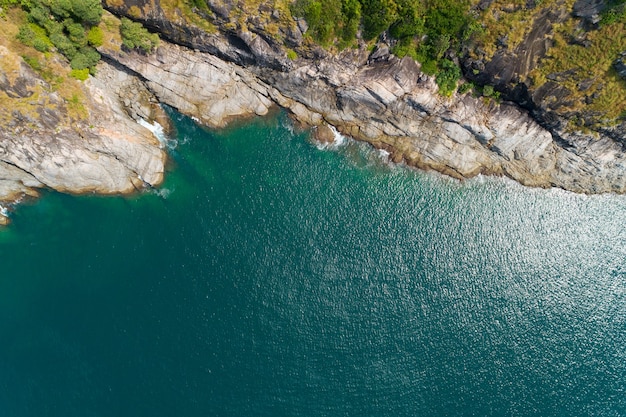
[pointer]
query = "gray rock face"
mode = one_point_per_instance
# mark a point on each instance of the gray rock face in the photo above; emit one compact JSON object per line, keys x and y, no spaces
{"x":108,"y":154}
{"x":376,"y":98}
{"x":589,"y":9}
{"x":620,"y":65}
{"x":198,"y":84}
{"x":392,"y":105}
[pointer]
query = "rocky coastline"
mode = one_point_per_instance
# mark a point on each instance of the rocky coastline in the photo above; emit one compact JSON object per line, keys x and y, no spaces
{"x":108,"y":153}
{"x":389,"y":103}
{"x":370,"y":96}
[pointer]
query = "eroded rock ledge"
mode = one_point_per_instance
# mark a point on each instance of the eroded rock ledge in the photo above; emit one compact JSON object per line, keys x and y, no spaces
{"x":109,"y":153}
{"x":390,"y":104}
{"x":376,"y":98}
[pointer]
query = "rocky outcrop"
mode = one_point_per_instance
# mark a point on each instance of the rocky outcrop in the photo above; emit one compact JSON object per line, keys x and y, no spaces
{"x":242,"y":70}
{"x":243,"y":40}
{"x":589,"y":9}
{"x":386,"y":101}
{"x":620,"y":65}
{"x":107,"y":153}
{"x":390,"y":104}
{"x":567,"y":99}
{"x":198,"y":84}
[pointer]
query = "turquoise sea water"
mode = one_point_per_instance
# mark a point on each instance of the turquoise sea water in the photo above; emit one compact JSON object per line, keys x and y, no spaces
{"x":268,"y":277}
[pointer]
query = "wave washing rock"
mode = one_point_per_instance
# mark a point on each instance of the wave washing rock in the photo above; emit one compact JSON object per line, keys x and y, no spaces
{"x":390,"y":104}
{"x":108,"y":153}
{"x":376,"y":98}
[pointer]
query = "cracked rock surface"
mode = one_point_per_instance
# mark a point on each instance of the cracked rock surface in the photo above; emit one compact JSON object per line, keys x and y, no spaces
{"x":392,"y":105}
{"x":107,"y":154}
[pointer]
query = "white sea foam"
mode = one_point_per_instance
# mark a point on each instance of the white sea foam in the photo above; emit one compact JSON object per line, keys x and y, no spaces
{"x":158,"y":131}
{"x":338,"y":141}
{"x":288,"y":125}
{"x":384,"y":155}
{"x":184,"y":140}
{"x":4,"y":211}
{"x":339,"y":138}
{"x":164,"y":193}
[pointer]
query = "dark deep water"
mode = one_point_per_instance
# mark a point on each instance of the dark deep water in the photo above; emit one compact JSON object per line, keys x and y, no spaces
{"x":272,"y":278}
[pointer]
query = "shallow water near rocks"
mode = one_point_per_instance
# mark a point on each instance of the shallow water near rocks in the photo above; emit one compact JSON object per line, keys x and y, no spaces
{"x":268,"y":277}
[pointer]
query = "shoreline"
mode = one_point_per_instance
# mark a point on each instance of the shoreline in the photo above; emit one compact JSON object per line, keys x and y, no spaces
{"x":371,"y":97}
{"x":390,"y":104}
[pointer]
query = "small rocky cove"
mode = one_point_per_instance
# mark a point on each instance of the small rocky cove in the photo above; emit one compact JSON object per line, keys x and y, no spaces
{"x":368,"y":95}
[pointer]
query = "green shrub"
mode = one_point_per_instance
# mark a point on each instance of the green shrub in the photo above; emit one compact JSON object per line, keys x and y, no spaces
{"x":80,"y":74}
{"x":447,"y":77}
{"x":85,"y":58}
{"x":429,"y":67}
{"x":52,"y":26}
{"x":488,"y":91}
{"x":444,"y":17}
{"x":351,"y":13}
{"x":87,"y":11}
{"x":39,"y":15}
{"x":95,"y":36}
{"x":378,"y":15}
{"x":439,"y":45}
{"x":26,"y":35}
{"x":322,"y":16}
{"x":405,"y":47}
{"x":32,"y":62}
{"x":614,"y":12}
{"x":63,"y":44}
{"x":466,"y":87}
{"x":42,"y":45}
{"x":8,"y":3}
{"x":292,"y":55}
{"x":410,"y":21}
{"x":329,"y":20}
{"x":68,"y":25}
{"x":32,"y":35}
{"x":75,"y":32}
{"x":135,"y":36}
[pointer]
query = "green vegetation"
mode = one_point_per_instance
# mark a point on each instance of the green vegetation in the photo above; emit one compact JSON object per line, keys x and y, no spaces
{"x":80,"y":74}
{"x":32,"y":35}
{"x":67,"y":25}
{"x":447,"y":76}
{"x":378,"y":16}
{"x":422,"y":29}
{"x":330,"y":19}
{"x":292,"y":55}
{"x":604,"y":95}
{"x":32,"y":62}
{"x":614,"y":13}
{"x":466,"y":87}
{"x":437,"y":33}
{"x":95,"y":36}
{"x":49,"y":67}
{"x":135,"y":36}
{"x":194,"y":12}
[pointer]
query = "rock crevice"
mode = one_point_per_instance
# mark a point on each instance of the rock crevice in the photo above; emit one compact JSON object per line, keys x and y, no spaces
{"x":390,"y":104}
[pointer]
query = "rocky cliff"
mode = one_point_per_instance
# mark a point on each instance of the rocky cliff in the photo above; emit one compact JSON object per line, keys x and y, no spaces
{"x":106,"y":152}
{"x":374,"y":97}
{"x":239,"y":64}
{"x":390,"y":104}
